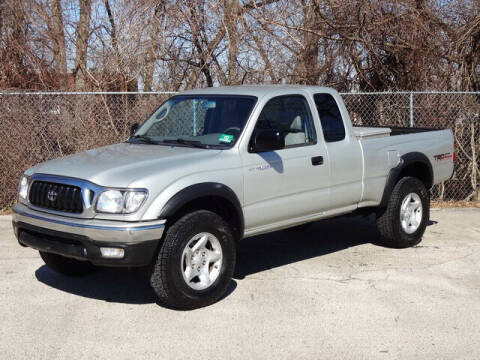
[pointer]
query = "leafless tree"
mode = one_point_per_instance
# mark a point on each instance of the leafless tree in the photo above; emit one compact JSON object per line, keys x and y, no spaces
{"x":81,"y":44}
{"x":168,"y":44}
{"x":59,"y":49}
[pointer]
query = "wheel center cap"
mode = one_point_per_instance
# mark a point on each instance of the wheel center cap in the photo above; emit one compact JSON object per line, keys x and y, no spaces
{"x":196,"y":258}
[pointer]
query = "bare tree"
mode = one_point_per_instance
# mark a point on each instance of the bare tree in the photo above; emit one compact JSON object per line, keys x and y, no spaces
{"x":58,"y":42}
{"x":359,"y":44}
{"x":306,"y":67}
{"x":232,"y":11}
{"x":81,"y":44}
{"x":157,"y":28}
{"x":116,"y":53}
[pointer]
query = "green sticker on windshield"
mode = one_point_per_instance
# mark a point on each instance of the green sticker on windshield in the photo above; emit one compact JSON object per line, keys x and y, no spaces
{"x":225,"y":138}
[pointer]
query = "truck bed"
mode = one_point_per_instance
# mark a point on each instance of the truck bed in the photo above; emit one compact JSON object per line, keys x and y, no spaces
{"x":382,"y":150}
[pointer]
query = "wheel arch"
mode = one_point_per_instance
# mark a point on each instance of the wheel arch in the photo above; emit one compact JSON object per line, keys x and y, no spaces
{"x":415,"y":164}
{"x":212,"y":196}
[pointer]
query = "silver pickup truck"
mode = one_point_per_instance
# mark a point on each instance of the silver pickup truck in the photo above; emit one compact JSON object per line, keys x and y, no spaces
{"x":212,"y":166}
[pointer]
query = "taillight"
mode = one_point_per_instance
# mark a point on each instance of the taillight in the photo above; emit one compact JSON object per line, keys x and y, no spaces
{"x":454,"y":154}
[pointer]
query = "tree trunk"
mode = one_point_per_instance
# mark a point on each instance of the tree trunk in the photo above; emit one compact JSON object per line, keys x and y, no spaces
{"x":151,"y":56}
{"x":232,"y":9}
{"x":1,"y":19}
{"x":58,"y":42}
{"x":81,"y":45}
{"x":306,"y":71}
{"x":204,"y":50}
{"x":116,"y":52}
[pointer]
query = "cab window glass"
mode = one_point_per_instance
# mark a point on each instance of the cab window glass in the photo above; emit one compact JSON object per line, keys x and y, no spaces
{"x":330,"y":117}
{"x":289,"y":115}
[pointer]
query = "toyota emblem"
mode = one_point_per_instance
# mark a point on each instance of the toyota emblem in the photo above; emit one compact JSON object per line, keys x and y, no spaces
{"x":52,"y":195}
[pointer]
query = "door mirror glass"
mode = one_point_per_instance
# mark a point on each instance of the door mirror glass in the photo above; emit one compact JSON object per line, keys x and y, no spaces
{"x":267,"y":140}
{"x":134,"y":128}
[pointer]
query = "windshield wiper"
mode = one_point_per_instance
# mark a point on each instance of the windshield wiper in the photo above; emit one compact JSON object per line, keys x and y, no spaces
{"x":144,"y":138}
{"x":181,"y":141}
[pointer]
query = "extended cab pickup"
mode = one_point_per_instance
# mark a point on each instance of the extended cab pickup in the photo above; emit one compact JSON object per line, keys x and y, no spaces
{"x":212,"y":166}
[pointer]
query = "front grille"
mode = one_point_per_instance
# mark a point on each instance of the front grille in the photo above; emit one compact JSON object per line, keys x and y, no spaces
{"x":54,"y":196}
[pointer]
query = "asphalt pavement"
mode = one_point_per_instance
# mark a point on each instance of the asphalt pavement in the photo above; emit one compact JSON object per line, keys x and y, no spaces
{"x":330,"y":292}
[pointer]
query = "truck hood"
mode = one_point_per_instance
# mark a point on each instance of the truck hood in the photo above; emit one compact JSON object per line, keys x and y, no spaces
{"x":121,"y":164}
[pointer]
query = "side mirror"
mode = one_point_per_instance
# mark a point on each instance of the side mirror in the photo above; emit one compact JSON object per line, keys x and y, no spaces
{"x":134,"y":128}
{"x":266,"y":140}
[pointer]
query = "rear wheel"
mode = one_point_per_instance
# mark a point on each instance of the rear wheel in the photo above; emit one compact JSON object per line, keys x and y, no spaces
{"x":195,"y":263}
{"x":405,"y":218}
{"x":66,"y":266}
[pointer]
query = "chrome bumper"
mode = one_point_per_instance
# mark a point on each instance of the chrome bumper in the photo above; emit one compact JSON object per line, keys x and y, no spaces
{"x":94,"y":229}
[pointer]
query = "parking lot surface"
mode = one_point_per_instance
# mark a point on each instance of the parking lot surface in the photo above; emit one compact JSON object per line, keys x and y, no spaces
{"x":328,"y":292}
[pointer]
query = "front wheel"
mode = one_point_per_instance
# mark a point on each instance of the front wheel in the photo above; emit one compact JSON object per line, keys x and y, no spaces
{"x":405,"y":218}
{"x":195,"y":263}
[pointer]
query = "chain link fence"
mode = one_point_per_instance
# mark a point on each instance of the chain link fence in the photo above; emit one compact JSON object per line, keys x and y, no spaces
{"x":459,"y":111}
{"x":40,"y":126}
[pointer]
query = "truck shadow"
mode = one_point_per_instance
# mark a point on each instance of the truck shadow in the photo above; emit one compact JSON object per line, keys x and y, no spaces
{"x":254,"y":255}
{"x":119,"y":285}
{"x":265,"y":252}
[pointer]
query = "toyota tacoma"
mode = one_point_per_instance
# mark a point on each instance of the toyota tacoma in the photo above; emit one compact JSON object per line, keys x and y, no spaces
{"x":212,"y":166}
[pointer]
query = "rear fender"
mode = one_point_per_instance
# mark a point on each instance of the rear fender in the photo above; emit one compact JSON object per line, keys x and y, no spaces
{"x":395,"y":173}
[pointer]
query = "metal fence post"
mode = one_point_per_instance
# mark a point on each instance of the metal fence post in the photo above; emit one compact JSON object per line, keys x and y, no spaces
{"x":411,"y":109}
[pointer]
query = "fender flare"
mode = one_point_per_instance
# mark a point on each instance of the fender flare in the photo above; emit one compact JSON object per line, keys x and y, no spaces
{"x":394,"y":174}
{"x":197,"y":191}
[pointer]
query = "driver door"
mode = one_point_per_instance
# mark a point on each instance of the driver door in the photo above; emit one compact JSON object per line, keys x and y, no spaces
{"x":291,"y":184}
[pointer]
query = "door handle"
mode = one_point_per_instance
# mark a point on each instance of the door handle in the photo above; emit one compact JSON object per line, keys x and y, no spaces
{"x":317,"y":160}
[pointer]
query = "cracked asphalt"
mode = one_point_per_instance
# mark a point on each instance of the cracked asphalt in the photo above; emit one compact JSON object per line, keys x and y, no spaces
{"x":328,"y":292}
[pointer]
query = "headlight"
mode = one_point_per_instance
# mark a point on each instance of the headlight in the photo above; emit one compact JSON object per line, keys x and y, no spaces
{"x":110,"y":201}
{"x":23,"y":188}
{"x":120,"y":201}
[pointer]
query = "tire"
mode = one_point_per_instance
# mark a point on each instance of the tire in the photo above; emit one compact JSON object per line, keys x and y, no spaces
{"x":170,"y":275}
{"x":65,"y":265}
{"x":398,"y":228}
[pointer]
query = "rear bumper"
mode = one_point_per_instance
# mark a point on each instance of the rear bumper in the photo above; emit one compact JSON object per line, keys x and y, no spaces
{"x":82,"y":238}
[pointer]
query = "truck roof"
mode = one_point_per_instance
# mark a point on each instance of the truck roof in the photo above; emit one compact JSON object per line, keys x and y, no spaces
{"x":256,"y":90}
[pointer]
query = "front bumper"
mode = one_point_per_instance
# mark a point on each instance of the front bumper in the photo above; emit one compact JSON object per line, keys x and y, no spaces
{"x":82,"y":238}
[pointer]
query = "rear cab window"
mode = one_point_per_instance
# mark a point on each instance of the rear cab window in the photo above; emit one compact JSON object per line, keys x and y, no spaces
{"x":330,"y":117}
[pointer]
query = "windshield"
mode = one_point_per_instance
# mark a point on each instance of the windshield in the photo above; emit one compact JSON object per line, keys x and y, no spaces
{"x":205,"y":121}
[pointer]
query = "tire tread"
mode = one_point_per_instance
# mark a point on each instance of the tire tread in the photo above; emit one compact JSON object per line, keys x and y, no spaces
{"x":388,"y":223}
{"x":160,"y":280}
